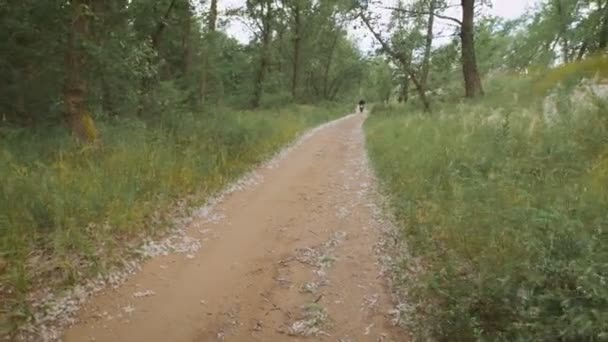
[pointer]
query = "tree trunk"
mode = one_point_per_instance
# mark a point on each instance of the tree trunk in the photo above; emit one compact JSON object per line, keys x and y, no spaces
{"x":603,"y":34}
{"x":155,"y":37}
{"x":211,"y":28}
{"x":328,"y":65}
{"x":21,"y":111}
{"x":582,"y":50}
{"x":565,"y":50}
{"x":472,"y":81}
{"x":428,"y":45}
{"x":405,"y":81}
{"x":312,"y":84}
{"x":259,"y":78}
{"x":603,"y":39}
{"x":75,"y":85}
{"x":264,"y":54}
{"x":297,"y":40}
{"x":278,"y":63}
{"x":107,"y":96}
{"x":212,"y":25}
{"x":420,"y":89}
{"x":21,"y":78}
{"x":563,"y":39}
{"x":110,"y":18}
{"x":404,"y":95}
{"x":161,"y":26}
{"x":190,"y":80}
{"x":187,"y":47}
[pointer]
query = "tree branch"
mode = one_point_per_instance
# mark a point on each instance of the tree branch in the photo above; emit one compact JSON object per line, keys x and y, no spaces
{"x":251,"y":29}
{"x":401,"y":59}
{"x":437,"y":15}
{"x":161,"y":25}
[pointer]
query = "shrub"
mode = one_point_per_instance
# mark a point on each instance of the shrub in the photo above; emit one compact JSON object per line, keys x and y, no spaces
{"x":68,"y":211}
{"x":509,"y":222}
{"x":569,"y":75}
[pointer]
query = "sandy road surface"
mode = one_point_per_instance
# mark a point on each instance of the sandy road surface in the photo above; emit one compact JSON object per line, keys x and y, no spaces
{"x":288,"y":259}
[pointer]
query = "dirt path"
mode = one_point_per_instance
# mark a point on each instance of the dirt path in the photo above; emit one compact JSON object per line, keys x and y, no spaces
{"x":288,"y":259}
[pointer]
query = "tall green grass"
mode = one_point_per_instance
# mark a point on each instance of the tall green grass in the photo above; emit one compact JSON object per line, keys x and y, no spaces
{"x":67,"y":212}
{"x":506,"y":221}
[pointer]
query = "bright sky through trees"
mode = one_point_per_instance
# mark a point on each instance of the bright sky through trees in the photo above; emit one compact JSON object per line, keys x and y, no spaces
{"x":508,"y":9}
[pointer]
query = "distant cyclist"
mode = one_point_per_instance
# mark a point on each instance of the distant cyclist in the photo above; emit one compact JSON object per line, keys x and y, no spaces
{"x":361,"y":106}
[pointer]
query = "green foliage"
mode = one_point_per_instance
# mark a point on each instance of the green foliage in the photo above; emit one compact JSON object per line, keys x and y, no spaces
{"x":76,"y":207}
{"x":505,"y":220}
{"x":379,"y":84}
{"x":134,"y":50}
{"x":30,"y":60}
{"x":481,"y":200}
{"x":163,"y":84}
{"x":330,"y":66}
{"x":569,"y":75}
{"x":493,"y":41}
{"x":560,"y":30}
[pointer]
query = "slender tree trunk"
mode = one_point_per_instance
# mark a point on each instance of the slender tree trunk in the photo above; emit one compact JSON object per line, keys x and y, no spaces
{"x":107,"y":96}
{"x":212,"y":25}
{"x":405,"y":81}
{"x":259,"y":78}
{"x":21,"y":78}
{"x":565,"y":46}
{"x":603,"y":34}
{"x":603,"y":39}
{"x":21,"y":111}
{"x":187,"y":48}
{"x":211,"y":28}
{"x":190,"y":80}
{"x":75,"y":84}
{"x":334,"y":88}
{"x":103,"y":9}
{"x":264,"y":54}
{"x":582,"y":50}
{"x":405,"y":89}
{"x":565,"y":50}
{"x":328,"y":65}
{"x":280,"y":47}
{"x":420,"y":89}
{"x":146,"y":83}
{"x":110,"y":17}
{"x":428,"y":44}
{"x":472,"y":80}
{"x":162,"y":25}
{"x":311,"y":83}
{"x":297,"y":40}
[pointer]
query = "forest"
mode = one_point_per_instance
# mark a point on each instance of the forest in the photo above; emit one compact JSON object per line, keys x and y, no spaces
{"x":487,"y":134}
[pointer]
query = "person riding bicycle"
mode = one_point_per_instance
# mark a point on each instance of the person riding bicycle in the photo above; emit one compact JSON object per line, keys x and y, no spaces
{"x":361,"y":106}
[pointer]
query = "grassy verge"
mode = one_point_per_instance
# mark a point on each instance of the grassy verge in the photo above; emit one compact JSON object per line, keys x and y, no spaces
{"x":505,"y":218}
{"x":68,"y":212}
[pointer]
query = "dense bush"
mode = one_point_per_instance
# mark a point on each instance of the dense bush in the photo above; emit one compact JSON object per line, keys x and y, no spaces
{"x":505,"y":220}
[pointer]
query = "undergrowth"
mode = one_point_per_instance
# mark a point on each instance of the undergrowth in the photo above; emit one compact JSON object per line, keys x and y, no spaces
{"x":505,"y":220}
{"x":67,"y":211}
